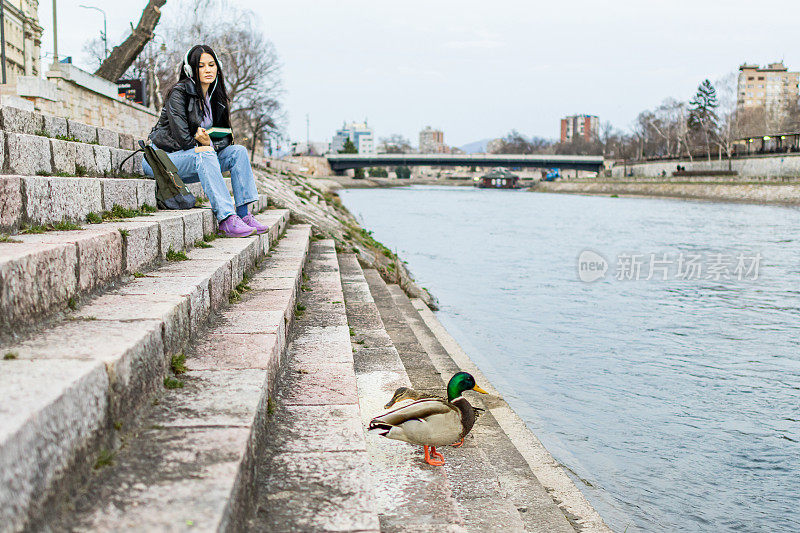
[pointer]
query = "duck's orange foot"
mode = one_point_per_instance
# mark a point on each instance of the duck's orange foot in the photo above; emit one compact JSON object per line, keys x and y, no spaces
{"x":432,"y":457}
{"x":458,"y":444}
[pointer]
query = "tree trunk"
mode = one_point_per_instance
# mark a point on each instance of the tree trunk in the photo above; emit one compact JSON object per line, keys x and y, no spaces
{"x":253,"y":145}
{"x":154,"y":90}
{"x":123,"y":56}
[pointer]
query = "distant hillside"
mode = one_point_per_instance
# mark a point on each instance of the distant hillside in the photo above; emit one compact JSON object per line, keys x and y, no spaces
{"x":475,"y":147}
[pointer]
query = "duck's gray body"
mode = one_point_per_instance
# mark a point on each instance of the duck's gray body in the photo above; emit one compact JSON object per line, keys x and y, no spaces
{"x":407,"y":393}
{"x":427,"y":422}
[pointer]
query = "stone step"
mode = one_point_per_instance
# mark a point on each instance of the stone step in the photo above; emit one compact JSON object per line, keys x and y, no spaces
{"x":546,"y":469}
{"x":40,"y":273}
{"x":44,"y":272}
{"x":27,"y":154}
{"x":15,"y":120}
{"x":410,"y":495}
{"x":70,"y":387}
{"x":493,"y":486}
{"x":314,"y":473}
{"x":190,"y":462}
{"x":42,"y":200}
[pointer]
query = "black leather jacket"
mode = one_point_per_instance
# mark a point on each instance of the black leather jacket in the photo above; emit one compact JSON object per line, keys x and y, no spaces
{"x":180,"y":118}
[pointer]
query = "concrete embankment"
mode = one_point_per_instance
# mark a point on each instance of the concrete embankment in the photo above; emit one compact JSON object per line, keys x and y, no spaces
{"x":771,"y":165}
{"x":762,"y":193}
{"x":346,"y":182}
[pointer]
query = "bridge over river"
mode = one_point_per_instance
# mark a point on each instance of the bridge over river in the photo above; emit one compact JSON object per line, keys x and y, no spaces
{"x":342,"y":162}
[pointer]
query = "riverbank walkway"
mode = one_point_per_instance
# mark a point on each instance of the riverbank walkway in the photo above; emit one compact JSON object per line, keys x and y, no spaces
{"x":155,"y":378}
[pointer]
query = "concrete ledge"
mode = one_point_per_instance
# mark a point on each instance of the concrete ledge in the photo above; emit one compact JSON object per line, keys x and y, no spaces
{"x":766,"y":193}
{"x":116,"y":353}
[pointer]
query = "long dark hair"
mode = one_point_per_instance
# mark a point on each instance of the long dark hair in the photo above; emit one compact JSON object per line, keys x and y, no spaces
{"x":220,"y":93}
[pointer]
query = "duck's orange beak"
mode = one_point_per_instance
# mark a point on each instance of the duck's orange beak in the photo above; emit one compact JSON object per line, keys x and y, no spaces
{"x":478,"y":389}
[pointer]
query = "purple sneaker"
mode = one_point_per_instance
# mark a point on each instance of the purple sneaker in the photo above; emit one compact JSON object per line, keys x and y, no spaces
{"x":251,"y":221}
{"x":234,"y":227}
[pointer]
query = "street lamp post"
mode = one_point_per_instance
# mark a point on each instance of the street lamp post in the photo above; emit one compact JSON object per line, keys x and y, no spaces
{"x":3,"y":37}
{"x":105,"y":33}
{"x":54,"y":66}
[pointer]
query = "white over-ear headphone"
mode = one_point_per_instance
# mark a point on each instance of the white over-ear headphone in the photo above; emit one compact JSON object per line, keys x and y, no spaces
{"x":186,"y":68}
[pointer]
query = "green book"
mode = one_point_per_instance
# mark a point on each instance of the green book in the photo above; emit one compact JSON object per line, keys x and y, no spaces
{"x":218,"y":133}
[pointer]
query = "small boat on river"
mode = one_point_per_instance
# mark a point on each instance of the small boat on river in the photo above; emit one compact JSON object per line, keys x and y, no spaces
{"x":499,"y":178}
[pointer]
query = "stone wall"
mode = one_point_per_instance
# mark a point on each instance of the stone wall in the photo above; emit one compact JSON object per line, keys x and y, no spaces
{"x":309,"y":165}
{"x":729,"y":192}
{"x":74,"y":94}
{"x":750,"y":167}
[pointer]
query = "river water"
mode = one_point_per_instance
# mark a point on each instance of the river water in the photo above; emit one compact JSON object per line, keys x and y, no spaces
{"x":674,"y":403}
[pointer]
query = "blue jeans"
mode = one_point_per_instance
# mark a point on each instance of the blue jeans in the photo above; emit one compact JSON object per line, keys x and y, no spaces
{"x":207,"y":167}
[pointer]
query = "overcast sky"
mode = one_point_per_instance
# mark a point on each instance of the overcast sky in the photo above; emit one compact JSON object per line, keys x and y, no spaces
{"x":477,"y":69}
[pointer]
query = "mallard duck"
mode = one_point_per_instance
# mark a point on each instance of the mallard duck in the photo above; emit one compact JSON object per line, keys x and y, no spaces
{"x":431,"y":421}
{"x":406,"y":394}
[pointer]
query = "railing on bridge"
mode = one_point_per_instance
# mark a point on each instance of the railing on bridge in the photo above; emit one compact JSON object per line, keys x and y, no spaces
{"x":593,"y":163}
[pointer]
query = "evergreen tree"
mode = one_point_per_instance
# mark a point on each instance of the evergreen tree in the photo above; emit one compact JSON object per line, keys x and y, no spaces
{"x":402,"y":173}
{"x":349,"y":147}
{"x":703,"y":120}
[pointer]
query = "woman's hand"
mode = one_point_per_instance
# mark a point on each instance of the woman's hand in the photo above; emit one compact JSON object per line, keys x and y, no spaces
{"x":204,"y":149}
{"x":202,"y":137}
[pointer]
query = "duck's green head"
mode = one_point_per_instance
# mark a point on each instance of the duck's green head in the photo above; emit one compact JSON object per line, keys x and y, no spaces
{"x":460,"y":382}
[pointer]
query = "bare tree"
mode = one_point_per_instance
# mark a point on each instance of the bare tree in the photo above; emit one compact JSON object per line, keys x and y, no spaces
{"x":259,"y":118}
{"x":792,"y":117}
{"x":606,"y":134}
{"x":94,"y":52}
{"x":729,"y":116}
{"x":247,"y":58}
{"x":395,"y":144}
{"x":641,"y":133}
{"x":123,"y":55}
{"x":517,"y":143}
{"x":672,"y":126}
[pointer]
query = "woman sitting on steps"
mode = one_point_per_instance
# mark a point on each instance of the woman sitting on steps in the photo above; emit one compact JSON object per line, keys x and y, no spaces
{"x":197,"y":102}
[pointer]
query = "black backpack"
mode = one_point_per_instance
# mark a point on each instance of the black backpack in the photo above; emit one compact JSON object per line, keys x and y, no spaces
{"x":171,"y":192}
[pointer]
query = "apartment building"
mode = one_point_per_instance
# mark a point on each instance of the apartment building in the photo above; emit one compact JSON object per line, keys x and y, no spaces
{"x":23,"y":36}
{"x":577,"y":126}
{"x":772,"y":86}
{"x":431,"y":141}
{"x":359,"y":133}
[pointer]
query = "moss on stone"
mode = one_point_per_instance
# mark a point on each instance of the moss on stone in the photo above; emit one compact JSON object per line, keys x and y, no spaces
{"x":172,"y":383}
{"x":104,"y":458}
{"x":178,"y":364}
{"x":180,"y":255}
